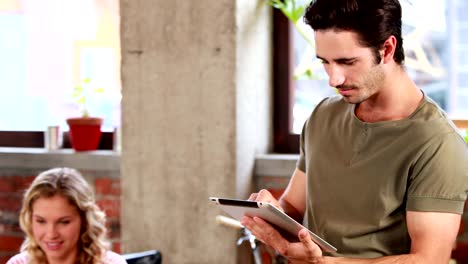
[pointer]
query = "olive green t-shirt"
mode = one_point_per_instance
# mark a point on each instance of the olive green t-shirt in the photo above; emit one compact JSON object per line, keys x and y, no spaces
{"x":363,"y":177}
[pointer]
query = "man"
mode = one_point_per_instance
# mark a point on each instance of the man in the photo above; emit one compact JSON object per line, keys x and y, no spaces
{"x":382,"y":173}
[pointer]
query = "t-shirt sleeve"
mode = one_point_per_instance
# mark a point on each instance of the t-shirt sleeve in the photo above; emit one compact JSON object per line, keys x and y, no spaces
{"x":301,"y":161}
{"x":307,"y":132}
{"x":439,"y":181}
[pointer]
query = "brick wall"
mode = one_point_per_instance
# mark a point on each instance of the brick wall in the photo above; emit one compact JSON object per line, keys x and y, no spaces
{"x":11,"y":190}
{"x":108,"y":198}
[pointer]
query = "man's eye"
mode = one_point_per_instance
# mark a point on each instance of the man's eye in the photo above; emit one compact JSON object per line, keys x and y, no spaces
{"x":349,"y":62}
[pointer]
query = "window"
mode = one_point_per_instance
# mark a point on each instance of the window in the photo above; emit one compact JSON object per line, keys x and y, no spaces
{"x":435,"y":37}
{"x":47,"y":48}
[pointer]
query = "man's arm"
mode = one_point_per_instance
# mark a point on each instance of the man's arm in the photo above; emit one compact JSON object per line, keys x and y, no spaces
{"x":432,"y":234}
{"x":293,"y":199}
{"x":432,"y":237}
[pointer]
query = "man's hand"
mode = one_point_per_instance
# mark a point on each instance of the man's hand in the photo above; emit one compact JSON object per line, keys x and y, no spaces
{"x":293,"y":203}
{"x":305,"y":251}
{"x":266,"y":197}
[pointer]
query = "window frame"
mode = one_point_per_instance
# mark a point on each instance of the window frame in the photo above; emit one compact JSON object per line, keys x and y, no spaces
{"x":35,"y":139}
{"x":283,"y":86}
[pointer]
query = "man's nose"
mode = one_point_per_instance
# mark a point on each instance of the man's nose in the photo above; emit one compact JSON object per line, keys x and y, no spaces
{"x":335,"y":76}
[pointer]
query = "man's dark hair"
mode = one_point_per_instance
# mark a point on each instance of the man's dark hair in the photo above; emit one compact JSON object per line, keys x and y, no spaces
{"x":373,"y":20}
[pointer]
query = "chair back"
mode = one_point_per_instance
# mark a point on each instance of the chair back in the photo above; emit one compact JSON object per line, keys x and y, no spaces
{"x":144,"y":257}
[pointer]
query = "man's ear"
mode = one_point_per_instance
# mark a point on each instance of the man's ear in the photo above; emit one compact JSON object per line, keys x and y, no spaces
{"x":388,"y":49}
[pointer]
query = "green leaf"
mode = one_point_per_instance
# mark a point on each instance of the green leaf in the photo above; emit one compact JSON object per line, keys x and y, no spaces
{"x":99,"y":90}
{"x":82,"y":92}
{"x":305,"y":75}
{"x":294,"y":13}
{"x":289,"y":8}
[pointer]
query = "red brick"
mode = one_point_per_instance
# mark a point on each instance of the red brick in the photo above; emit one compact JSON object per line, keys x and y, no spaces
{"x":110,"y":206}
{"x":106,"y":186}
{"x":113,"y":227}
{"x":10,"y":228}
{"x":15,"y":184}
{"x":23,"y":183}
{"x":5,"y":258}
{"x":10,"y":202}
{"x":7,"y":184}
{"x":10,"y":243}
{"x":116,"y":247}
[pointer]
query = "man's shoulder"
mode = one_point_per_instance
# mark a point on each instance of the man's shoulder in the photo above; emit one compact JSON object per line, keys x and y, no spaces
{"x":331,"y":105}
{"x":21,"y":258}
{"x":432,"y":119}
{"x":332,"y":101}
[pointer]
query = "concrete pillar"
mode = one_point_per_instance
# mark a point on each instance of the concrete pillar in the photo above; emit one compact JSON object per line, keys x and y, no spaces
{"x":196,"y":78}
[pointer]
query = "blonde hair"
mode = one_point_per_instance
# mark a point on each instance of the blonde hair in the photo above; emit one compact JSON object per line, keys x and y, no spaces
{"x":70,"y":184}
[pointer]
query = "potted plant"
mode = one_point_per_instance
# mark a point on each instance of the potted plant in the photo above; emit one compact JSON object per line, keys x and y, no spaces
{"x":85,"y":131}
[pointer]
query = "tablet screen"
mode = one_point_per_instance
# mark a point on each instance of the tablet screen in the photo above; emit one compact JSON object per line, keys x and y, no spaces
{"x":281,"y":221}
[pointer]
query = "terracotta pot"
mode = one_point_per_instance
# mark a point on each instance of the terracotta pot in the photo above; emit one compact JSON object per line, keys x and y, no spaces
{"x":85,"y":132}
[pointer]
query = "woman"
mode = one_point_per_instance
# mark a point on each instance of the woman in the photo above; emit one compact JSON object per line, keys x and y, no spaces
{"x":62,"y":222}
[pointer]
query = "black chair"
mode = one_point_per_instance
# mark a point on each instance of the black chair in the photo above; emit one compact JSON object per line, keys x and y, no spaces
{"x":144,"y":257}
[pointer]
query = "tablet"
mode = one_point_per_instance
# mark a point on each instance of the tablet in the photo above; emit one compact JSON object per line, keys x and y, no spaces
{"x":268,"y":212}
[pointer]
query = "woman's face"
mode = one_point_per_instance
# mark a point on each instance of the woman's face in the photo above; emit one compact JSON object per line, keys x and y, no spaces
{"x":56,"y":226}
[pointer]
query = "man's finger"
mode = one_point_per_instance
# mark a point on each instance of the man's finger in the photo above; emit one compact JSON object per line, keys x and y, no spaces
{"x":311,"y":248}
{"x":269,"y":235}
{"x":264,"y":196}
{"x":253,"y":197}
